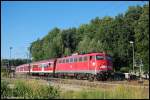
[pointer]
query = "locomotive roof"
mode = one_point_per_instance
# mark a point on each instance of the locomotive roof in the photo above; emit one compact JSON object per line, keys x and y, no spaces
{"x":89,"y":54}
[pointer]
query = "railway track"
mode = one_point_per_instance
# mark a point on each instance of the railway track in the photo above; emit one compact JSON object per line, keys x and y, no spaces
{"x":90,"y":84}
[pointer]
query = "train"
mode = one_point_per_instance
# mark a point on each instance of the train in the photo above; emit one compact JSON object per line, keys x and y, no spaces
{"x":91,"y":66}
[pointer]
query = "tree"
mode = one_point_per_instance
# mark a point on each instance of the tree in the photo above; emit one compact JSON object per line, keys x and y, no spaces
{"x":142,"y":37}
{"x":108,"y":34}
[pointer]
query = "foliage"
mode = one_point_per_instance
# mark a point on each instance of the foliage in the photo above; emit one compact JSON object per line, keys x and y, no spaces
{"x":31,"y":89}
{"x":108,"y":34}
{"x":4,"y":88}
{"x":14,"y":62}
{"x":4,"y":72}
{"x":118,"y":92}
{"x":124,"y":69}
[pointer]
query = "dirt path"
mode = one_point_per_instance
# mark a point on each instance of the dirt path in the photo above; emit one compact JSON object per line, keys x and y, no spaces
{"x":68,"y":87}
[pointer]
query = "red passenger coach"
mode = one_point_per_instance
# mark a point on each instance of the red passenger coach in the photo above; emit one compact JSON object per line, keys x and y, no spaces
{"x":94,"y":64}
{"x":45,"y":66}
{"x":22,"y":68}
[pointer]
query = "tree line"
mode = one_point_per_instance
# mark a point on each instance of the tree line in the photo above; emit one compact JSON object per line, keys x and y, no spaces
{"x":109,"y":34}
{"x":14,"y":62}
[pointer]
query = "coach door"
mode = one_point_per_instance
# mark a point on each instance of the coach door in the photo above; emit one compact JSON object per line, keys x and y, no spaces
{"x":92,"y":63}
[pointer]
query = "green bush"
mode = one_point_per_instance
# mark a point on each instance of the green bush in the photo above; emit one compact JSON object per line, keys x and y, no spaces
{"x":4,"y":73}
{"x":34,"y":90}
{"x":28,"y":90}
{"x":4,"y":89}
{"x":124,"y":69}
{"x":21,"y":90}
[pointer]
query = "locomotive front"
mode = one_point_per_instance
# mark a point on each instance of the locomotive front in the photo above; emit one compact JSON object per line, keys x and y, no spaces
{"x":104,"y":66}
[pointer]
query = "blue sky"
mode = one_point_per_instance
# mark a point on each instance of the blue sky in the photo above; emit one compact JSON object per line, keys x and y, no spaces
{"x":25,"y":21}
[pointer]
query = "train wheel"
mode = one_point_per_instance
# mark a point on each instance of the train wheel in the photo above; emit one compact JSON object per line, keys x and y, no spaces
{"x":98,"y":78}
{"x":78,"y":76}
{"x":91,"y":77}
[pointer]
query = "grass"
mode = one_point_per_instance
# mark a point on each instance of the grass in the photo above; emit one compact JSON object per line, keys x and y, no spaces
{"x":39,"y":89}
{"x":28,"y":89}
{"x":4,"y":73}
{"x":119,"y":92}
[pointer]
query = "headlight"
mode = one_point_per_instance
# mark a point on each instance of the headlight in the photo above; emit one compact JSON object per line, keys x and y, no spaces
{"x":103,"y":66}
{"x":109,"y":66}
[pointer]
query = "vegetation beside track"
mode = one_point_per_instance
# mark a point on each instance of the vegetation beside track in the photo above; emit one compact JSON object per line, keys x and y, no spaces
{"x":120,"y":92}
{"x":41,"y":89}
{"x":27,"y":89}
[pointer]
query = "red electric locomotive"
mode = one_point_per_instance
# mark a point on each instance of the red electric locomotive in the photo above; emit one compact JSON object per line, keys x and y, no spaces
{"x":93,"y":65}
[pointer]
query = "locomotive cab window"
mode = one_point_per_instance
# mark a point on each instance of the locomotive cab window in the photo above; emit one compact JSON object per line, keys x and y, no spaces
{"x":109,"y":58}
{"x":99,"y":57}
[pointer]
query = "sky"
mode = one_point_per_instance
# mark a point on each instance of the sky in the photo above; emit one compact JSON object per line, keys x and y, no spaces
{"x":23,"y":22}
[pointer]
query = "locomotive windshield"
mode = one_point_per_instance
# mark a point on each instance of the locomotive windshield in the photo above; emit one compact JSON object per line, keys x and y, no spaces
{"x":99,"y":57}
{"x":108,"y":58}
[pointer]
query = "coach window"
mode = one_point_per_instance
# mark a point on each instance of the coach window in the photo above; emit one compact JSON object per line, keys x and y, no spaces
{"x":71,"y":60}
{"x":41,"y":65}
{"x":80,"y":59}
{"x":45,"y":65}
{"x":49,"y":64}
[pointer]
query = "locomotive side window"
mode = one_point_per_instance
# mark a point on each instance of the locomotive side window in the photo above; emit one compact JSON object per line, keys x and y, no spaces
{"x":67,"y":60}
{"x":85,"y":58}
{"x":99,"y":57}
{"x":58,"y":61}
{"x":75,"y":59}
{"x":63,"y":60}
{"x":80,"y":59}
{"x":92,"y":57}
{"x":71,"y":59}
